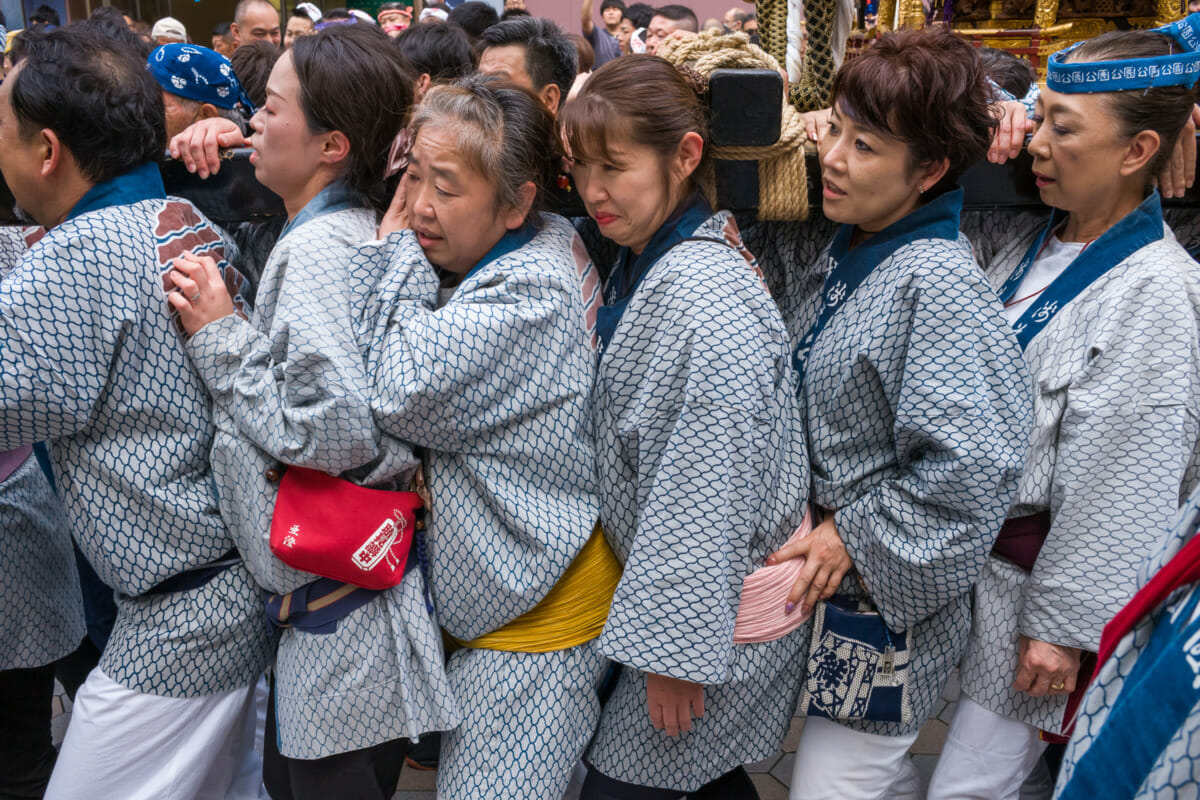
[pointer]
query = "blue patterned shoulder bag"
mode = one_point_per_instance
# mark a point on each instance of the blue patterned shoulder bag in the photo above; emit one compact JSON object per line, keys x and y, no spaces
{"x":858,"y":669}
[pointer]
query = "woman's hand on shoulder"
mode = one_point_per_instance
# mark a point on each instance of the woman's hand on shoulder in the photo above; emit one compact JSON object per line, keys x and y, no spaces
{"x":199,"y":146}
{"x":1179,"y":173}
{"x":673,"y":703}
{"x":199,"y":293}
{"x":1046,"y":669}
{"x":826,"y":563}
{"x":1009,"y":137}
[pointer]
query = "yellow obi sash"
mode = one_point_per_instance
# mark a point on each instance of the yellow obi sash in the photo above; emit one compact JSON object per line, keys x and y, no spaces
{"x":572,"y":612}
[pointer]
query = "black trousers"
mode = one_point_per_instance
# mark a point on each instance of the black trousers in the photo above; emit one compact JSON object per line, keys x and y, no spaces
{"x":368,"y":774}
{"x":733,"y":785}
{"x":26,"y":753}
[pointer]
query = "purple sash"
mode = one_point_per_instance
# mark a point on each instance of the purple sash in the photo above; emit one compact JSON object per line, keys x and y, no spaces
{"x":11,"y":460}
{"x":1021,"y":539}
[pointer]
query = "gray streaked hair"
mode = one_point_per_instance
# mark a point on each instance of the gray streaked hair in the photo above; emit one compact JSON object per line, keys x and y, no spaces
{"x":501,"y":129}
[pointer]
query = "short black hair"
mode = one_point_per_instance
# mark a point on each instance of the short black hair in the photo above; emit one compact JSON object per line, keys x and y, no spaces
{"x":96,"y":95}
{"x":109,"y":22}
{"x":678,"y":13}
{"x":513,"y":13}
{"x":1013,"y":75}
{"x":639,"y":14}
{"x":334,"y":14}
{"x":549,"y":54}
{"x":16,"y":47}
{"x":441,"y":51}
{"x":473,"y":17}
{"x":44,"y":15}
{"x":607,"y":4}
{"x":252,"y":64}
{"x":222,"y":29}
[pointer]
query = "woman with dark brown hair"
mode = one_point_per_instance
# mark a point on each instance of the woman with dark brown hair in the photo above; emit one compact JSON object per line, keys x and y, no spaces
{"x":359,"y":672}
{"x":702,"y":470}
{"x":1106,"y":305}
{"x":916,"y":407}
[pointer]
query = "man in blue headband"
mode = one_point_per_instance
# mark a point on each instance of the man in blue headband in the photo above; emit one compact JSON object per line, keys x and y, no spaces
{"x":197,"y":84}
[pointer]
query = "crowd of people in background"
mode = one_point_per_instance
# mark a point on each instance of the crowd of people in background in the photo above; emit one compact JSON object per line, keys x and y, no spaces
{"x":625,"y":30}
{"x":656,"y":474}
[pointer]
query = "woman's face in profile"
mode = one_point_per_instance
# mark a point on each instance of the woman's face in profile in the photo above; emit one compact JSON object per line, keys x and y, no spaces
{"x":867,"y":176}
{"x":1076,"y":149}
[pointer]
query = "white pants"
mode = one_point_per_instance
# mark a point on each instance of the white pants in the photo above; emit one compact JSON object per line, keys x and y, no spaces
{"x":988,"y":756}
{"x":134,"y":746}
{"x":834,"y":762}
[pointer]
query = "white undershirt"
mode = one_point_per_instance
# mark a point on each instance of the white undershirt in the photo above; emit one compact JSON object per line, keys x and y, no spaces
{"x":1053,"y":261}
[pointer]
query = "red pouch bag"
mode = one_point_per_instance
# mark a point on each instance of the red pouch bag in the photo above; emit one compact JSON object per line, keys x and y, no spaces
{"x":335,"y":529}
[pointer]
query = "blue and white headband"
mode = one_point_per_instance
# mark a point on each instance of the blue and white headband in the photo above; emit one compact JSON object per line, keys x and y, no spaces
{"x":199,"y":74}
{"x":1178,"y":69}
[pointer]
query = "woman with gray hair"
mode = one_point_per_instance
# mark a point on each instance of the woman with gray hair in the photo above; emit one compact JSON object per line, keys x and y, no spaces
{"x":481,"y":355}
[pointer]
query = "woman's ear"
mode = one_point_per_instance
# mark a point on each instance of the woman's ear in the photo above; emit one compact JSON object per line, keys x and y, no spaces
{"x":336,"y":148}
{"x":689,"y":153}
{"x":1142,"y":149}
{"x":932,"y":173}
{"x":515,"y":216}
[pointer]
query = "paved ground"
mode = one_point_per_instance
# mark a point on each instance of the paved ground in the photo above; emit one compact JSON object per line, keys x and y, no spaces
{"x":772,"y":777}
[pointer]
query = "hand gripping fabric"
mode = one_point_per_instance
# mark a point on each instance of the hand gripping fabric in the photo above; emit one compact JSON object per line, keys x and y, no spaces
{"x":761,"y":616}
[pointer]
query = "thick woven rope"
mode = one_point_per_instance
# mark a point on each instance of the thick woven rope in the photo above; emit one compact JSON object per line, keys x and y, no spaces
{"x":782,"y":179}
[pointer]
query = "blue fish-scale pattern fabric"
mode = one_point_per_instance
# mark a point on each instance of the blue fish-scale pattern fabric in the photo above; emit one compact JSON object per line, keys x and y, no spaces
{"x":789,"y":254}
{"x":290,"y":386}
{"x":14,"y":241}
{"x":702,"y":474}
{"x":917,"y":407}
{"x":1176,"y":773}
{"x":494,"y":386}
{"x":1115,"y":449}
{"x":43,"y":608}
{"x":527,"y":718}
{"x":91,"y":360}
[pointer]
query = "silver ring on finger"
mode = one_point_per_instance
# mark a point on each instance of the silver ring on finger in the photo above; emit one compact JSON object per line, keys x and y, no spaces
{"x":195,"y":297}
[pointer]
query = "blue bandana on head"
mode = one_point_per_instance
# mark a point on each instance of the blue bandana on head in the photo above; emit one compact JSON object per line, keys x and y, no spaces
{"x":199,"y":74}
{"x":1178,"y":69}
